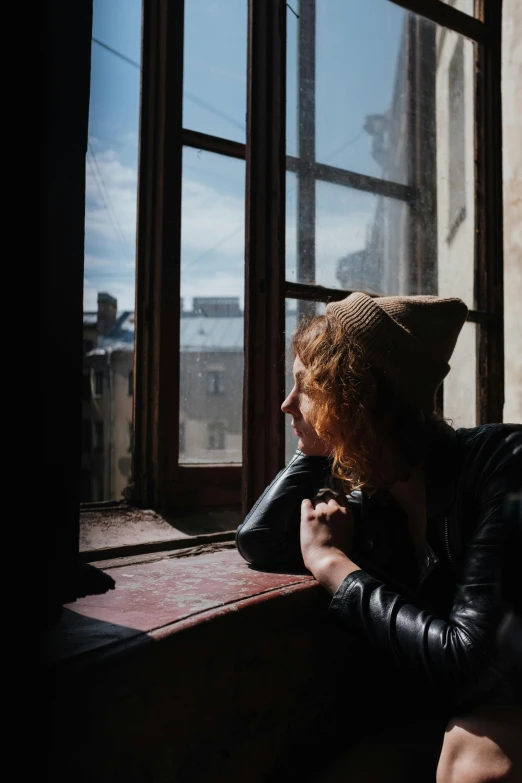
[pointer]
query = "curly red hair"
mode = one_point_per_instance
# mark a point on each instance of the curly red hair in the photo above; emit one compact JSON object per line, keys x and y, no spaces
{"x":375,"y":437}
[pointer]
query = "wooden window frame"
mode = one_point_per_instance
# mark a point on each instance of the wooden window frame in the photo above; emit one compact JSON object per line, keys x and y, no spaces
{"x":484,"y":29}
{"x":159,"y":480}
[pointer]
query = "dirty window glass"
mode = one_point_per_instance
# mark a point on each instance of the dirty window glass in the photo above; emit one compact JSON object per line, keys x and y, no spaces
{"x":110,"y":247}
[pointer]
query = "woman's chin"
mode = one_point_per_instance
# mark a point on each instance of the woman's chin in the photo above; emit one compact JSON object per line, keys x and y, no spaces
{"x":312,"y":449}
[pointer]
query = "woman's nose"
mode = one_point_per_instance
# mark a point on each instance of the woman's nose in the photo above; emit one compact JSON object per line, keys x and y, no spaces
{"x":288,"y":405}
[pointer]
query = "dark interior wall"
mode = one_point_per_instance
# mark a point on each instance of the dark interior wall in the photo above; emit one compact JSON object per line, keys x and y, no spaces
{"x":65,"y":72}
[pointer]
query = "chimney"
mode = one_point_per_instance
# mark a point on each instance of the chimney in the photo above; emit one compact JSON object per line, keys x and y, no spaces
{"x":107,"y":306}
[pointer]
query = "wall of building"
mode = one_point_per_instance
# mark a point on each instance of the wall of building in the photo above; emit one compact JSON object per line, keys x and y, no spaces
{"x":456,"y":228}
{"x":122,"y":365}
{"x":512,"y":172}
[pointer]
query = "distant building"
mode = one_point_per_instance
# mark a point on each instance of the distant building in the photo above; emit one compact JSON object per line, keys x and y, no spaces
{"x":211,"y":391}
{"x":107,"y":401}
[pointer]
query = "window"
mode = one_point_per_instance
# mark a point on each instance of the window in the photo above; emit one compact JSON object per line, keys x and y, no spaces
{"x":86,"y":436}
{"x":98,"y":435}
{"x":372,"y":90}
{"x":358,"y":171}
{"x":98,"y":383}
{"x":86,"y":387}
{"x":216,"y":435}
{"x":129,"y":436}
{"x":215,"y":382}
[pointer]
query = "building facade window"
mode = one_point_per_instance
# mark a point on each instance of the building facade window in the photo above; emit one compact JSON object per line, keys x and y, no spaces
{"x":86,"y":436}
{"x":216,"y":435}
{"x":98,"y":435}
{"x":182,"y":437}
{"x":86,"y":387}
{"x":215,"y":382}
{"x":98,"y":383}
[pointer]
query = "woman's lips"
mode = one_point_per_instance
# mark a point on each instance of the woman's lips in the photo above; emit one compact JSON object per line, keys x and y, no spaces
{"x":296,"y":432}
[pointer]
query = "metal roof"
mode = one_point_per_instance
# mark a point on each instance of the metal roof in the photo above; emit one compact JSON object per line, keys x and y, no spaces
{"x":198,"y":334}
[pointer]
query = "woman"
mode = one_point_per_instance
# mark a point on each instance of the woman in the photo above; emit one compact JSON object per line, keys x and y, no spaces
{"x":401,"y":519}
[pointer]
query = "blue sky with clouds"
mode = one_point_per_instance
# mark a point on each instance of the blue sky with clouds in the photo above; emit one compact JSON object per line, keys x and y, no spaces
{"x":357,"y":46}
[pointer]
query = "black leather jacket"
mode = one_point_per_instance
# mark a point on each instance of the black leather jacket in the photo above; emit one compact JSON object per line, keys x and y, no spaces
{"x":439,"y":624}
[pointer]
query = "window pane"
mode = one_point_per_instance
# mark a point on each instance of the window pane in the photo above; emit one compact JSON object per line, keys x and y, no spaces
{"x":460,"y":393}
{"x":110,"y":239}
{"x":390,"y":95}
{"x":361,"y":87}
{"x":292,"y":30}
{"x":295,"y":310}
{"x":361,"y":242}
{"x":214,"y":92}
{"x":212,"y":288}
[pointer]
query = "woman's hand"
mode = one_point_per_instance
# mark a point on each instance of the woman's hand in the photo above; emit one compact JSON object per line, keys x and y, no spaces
{"x":327,"y":539}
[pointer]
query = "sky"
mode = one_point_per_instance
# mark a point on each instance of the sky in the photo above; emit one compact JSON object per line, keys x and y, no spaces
{"x":357,"y":44}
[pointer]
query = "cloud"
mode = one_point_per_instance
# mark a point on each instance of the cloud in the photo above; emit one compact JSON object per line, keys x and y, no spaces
{"x":110,"y":196}
{"x":213,"y":234}
{"x":209,"y":219}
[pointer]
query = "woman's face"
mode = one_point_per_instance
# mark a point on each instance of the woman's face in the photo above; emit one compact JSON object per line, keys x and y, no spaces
{"x":297,"y":405}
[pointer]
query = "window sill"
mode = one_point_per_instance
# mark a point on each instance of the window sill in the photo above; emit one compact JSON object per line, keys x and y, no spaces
{"x":118,"y":525}
{"x":156,"y":598}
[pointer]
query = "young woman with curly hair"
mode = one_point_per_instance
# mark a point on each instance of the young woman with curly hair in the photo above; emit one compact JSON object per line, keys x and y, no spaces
{"x":400,"y":518}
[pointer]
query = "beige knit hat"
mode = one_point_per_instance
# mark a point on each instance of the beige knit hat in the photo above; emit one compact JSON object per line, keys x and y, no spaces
{"x":409,"y":339}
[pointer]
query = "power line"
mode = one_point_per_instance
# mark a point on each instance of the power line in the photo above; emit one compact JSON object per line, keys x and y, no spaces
{"x":212,"y":109}
{"x":345,"y":145}
{"x":211,"y":249}
{"x":107,"y":204}
{"x":100,"y":191}
{"x":190,"y":96}
{"x":117,"y":53}
{"x":109,"y":198}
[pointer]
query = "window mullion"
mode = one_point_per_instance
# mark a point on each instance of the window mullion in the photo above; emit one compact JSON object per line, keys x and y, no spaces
{"x":263,"y":443}
{"x":209,"y":143}
{"x":325,"y":173}
{"x":489,"y":279}
{"x":448,"y":16}
{"x":156,"y":401}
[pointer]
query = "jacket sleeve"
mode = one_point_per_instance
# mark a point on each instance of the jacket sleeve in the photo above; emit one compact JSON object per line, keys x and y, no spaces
{"x":456,"y":655}
{"x":269,"y":534}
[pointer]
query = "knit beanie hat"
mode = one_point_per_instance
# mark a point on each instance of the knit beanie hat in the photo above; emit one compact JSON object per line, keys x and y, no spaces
{"x":409,"y":339}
